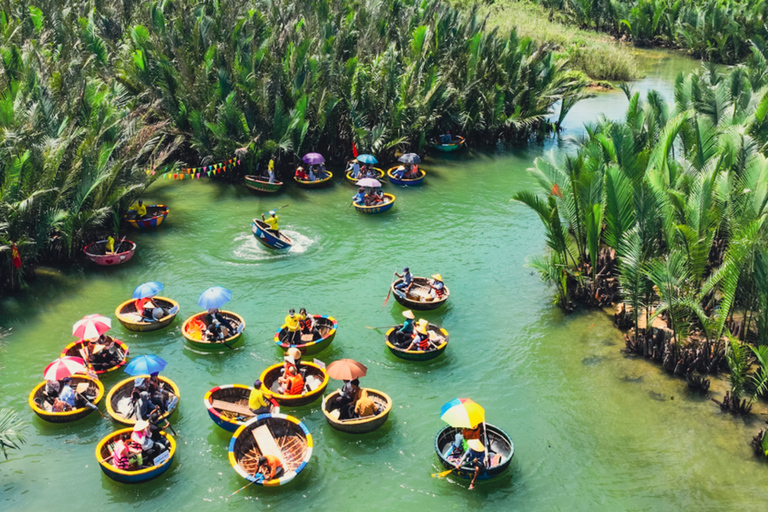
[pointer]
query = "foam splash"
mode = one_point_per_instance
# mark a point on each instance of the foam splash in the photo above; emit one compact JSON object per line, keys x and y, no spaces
{"x":250,"y":249}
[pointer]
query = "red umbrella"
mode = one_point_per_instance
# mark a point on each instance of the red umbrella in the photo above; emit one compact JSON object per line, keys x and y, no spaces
{"x":346,"y":369}
{"x":91,"y":326}
{"x":64,"y":367}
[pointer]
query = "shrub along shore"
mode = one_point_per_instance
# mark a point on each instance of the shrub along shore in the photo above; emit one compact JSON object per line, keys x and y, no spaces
{"x":666,"y":212}
{"x":94,"y":95}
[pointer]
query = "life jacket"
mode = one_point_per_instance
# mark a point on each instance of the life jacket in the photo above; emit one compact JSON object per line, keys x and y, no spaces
{"x":439,"y":291}
{"x":306,"y":324}
{"x":120,"y":455}
{"x":296,"y":385}
{"x":422,"y":340}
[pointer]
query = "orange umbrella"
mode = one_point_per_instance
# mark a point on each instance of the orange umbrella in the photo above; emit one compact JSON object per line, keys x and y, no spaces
{"x":346,"y":369}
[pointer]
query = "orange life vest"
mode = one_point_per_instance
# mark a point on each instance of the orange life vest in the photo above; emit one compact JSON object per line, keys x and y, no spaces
{"x":296,"y":385}
{"x":422,"y":340}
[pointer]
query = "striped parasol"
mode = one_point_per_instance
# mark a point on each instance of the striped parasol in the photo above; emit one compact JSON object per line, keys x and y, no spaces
{"x":91,"y":326}
{"x":64,"y":367}
{"x":462,"y":413}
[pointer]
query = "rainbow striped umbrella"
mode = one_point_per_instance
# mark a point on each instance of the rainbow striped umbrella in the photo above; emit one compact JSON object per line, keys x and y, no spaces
{"x":462,"y":413}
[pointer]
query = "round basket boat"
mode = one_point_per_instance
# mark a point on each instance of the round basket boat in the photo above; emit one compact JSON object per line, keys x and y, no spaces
{"x":500,"y":448}
{"x":389,"y":200}
{"x":157,"y":466}
{"x":78,"y":349}
{"x":279,"y":435}
{"x":315,"y":382}
{"x":268,"y":238}
{"x":193,"y":327}
{"x":457,"y":142}
{"x":379,"y":176}
{"x":155,"y":216}
{"x":228,"y":406}
{"x":310,"y":343}
{"x":438,"y":342}
{"x":364,"y":424}
{"x":131,"y":320}
{"x":405,"y":182}
{"x":42,"y":404}
{"x":97,"y":252}
{"x":315,"y":184}
{"x":119,"y":404}
{"x":259,"y":184}
{"x":418,"y":296}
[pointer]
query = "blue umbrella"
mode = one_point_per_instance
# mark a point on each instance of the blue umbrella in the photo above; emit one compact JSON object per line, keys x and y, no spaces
{"x":313,"y":158}
{"x":367,"y":159}
{"x":214,"y":297}
{"x":410,"y":158}
{"x":143,"y":365}
{"x":148,"y":289}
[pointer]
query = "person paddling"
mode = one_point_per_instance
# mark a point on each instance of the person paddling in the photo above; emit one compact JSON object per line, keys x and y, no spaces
{"x":359,"y":198}
{"x":405,"y":333}
{"x":257,"y":402}
{"x":272,"y":221}
{"x":293,"y":328}
{"x":475,"y":458}
{"x":407,"y":281}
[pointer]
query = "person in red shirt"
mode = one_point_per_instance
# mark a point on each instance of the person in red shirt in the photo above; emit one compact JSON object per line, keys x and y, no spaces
{"x":301,"y":174}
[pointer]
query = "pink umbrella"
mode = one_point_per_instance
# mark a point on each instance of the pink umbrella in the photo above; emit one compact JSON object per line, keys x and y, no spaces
{"x":91,"y":326}
{"x":64,"y":367}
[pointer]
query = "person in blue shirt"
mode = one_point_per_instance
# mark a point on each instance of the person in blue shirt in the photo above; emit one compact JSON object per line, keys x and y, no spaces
{"x":407,"y":281}
{"x":67,"y":394}
{"x":359,"y":198}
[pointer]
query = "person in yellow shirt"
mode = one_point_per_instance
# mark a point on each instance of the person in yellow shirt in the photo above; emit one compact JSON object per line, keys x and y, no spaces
{"x":271,"y":170}
{"x":141,"y":210}
{"x":257,"y":402}
{"x":110,"y":247}
{"x":271,"y":221}
{"x":293,"y":327}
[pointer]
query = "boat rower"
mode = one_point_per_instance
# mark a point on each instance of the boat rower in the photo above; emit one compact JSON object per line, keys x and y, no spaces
{"x":293,"y":328}
{"x":405,"y":333}
{"x":257,"y":402}
{"x":359,"y":198}
{"x":475,"y":457}
{"x":272,"y":222}
{"x":407,"y":277}
{"x":270,"y":467}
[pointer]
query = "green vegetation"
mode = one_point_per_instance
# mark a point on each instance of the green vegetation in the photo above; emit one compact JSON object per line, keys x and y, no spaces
{"x":717,"y":30}
{"x":672,"y":203}
{"x":11,"y":431}
{"x":94,"y":94}
{"x":593,"y":53}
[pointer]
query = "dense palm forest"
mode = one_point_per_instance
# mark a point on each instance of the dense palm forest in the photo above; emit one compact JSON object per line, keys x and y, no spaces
{"x":95,"y":94}
{"x":666,"y":210}
{"x":717,"y":30}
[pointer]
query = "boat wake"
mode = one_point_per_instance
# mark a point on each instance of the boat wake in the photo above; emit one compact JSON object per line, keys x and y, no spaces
{"x":249,"y":249}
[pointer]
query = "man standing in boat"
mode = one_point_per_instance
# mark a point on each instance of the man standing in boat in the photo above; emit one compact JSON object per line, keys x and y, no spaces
{"x":271,"y":222}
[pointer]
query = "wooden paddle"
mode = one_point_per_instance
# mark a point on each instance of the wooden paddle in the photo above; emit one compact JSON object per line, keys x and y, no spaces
{"x":82,"y":388}
{"x":389,"y":292}
{"x":377,"y":328}
{"x":275,"y":209}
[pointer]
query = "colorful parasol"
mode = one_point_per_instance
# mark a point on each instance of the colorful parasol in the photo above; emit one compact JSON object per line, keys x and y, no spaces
{"x":346,"y":369}
{"x":64,"y":367}
{"x":91,"y":326}
{"x":462,"y":413}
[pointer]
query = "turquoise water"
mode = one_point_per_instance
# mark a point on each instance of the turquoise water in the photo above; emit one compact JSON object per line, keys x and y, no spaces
{"x":593,"y":430}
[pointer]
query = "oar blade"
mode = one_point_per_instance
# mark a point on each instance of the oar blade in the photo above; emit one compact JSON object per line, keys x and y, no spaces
{"x":441,"y":475}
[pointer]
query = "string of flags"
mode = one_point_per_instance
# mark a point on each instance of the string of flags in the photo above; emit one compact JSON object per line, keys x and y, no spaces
{"x":196,"y":173}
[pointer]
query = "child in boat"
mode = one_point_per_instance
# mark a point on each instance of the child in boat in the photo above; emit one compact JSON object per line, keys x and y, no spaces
{"x":270,"y":467}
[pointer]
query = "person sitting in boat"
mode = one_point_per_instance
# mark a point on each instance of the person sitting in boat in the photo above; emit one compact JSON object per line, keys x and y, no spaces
{"x":407,"y":281}
{"x":307,"y":323}
{"x":359,"y":198}
{"x":292,"y":358}
{"x":293,"y":328}
{"x":121,"y":457}
{"x":412,"y":172}
{"x":272,"y":222}
{"x":141,"y":444}
{"x":144,"y":307}
{"x":138,"y":387}
{"x":67,"y":394}
{"x":365,"y":405}
{"x":377,"y":196}
{"x":215,"y":332}
{"x":301,"y":174}
{"x":144,"y":406}
{"x":101,"y":358}
{"x":159,"y":396}
{"x":291,"y":383}
{"x":420,"y":340}
{"x":404,"y":334}
{"x":270,"y":467}
{"x":446,"y":138}
{"x":311,"y":175}
{"x":344,"y":400}
{"x":215,"y":314}
{"x":475,"y":457}
{"x":436,"y":286}
{"x":399,"y":172}
{"x":109,"y":248}
{"x":321,"y":172}
{"x":52,"y":389}
{"x":257,"y":402}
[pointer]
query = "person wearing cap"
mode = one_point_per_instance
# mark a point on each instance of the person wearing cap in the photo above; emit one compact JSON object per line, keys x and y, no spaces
{"x":407,"y":280}
{"x":270,"y":467}
{"x":420,"y":339}
{"x":475,"y":458}
{"x":359,"y":198}
{"x":405,"y":333}
{"x":293,"y":328}
{"x":257,"y":402}
{"x":272,"y":221}
{"x":436,"y":286}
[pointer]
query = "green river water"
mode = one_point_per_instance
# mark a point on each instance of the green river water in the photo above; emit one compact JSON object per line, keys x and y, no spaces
{"x":593,"y":429}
